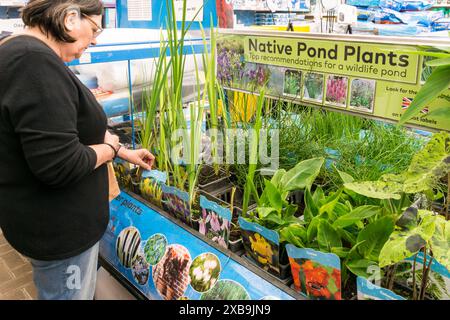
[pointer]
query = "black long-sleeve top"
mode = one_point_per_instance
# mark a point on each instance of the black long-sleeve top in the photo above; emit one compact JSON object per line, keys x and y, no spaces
{"x":53,"y":202}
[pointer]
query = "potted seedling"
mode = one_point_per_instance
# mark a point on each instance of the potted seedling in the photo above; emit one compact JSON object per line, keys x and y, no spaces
{"x":261,"y":227}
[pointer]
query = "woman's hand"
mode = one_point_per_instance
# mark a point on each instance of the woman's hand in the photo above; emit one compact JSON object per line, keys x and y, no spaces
{"x":140,"y":157}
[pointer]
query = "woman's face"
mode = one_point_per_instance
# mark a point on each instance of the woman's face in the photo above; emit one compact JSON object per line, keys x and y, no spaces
{"x":85,"y":31}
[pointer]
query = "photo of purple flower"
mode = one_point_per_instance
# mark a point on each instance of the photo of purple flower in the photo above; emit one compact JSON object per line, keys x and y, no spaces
{"x":176,"y":207}
{"x":336,"y":91}
{"x":230,"y":62}
{"x":256,"y":76}
{"x":140,"y":269}
{"x":214,"y":227}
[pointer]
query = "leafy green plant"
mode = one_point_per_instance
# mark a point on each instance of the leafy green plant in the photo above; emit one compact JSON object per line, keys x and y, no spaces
{"x":333,"y":224}
{"x":436,"y":84}
{"x":253,"y":157}
{"x":364,"y":147}
{"x":151,"y":100}
{"x":423,"y":174}
{"x":418,"y":230}
{"x":274,"y":211}
{"x":167,"y":93}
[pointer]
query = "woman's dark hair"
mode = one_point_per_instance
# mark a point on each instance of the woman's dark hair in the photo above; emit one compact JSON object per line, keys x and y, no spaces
{"x":49,"y":15}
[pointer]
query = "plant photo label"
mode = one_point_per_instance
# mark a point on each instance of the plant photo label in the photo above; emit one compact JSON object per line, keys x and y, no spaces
{"x":313,"y":87}
{"x":215,"y":222}
{"x":292,"y":84}
{"x":336,"y":91}
{"x":176,"y":202}
{"x":362,"y":95}
{"x":368,"y":291}
{"x":261,"y":244}
{"x":316,"y":274}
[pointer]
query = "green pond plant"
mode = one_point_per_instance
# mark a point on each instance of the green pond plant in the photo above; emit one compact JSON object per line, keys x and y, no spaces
{"x":436,"y":84}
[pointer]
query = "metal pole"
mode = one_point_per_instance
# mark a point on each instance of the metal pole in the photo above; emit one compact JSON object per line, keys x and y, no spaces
{"x":130,"y":89}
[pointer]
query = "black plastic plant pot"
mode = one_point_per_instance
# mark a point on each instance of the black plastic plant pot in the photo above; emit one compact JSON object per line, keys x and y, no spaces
{"x":236,"y":246}
{"x":224,"y":194}
{"x":284,"y":274}
{"x":195,"y":224}
{"x":209,"y":181}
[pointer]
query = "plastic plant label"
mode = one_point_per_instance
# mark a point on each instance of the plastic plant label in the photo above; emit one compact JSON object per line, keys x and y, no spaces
{"x":156,"y":175}
{"x":316,"y":274}
{"x":368,"y":291}
{"x":438,"y":286}
{"x":176,"y":202}
{"x":333,"y":155}
{"x":151,"y":186}
{"x":435,"y":266}
{"x":261,"y":244}
{"x":215,"y":222}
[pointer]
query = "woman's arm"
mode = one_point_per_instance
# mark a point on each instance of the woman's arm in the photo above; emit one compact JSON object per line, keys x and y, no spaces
{"x":42,"y":105}
{"x":105,"y":151}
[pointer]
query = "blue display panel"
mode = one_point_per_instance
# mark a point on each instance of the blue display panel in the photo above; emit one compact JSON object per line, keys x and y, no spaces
{"x":152,"y":14}
{"x":165,"y":261}
{"x":132,"y":51}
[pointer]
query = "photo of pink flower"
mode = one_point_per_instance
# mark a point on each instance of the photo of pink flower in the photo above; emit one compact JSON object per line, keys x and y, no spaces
{"x":336,"y":91}
{"x":214,"y":227}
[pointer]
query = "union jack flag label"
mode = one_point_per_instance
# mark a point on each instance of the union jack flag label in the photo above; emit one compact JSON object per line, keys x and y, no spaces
{"x":406,"y":102}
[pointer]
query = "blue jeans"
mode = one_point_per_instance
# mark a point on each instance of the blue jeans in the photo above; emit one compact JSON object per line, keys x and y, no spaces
{"x":70,"y":279}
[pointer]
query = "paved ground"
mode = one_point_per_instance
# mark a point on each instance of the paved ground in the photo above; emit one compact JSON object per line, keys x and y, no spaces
{"x":16,"y":275}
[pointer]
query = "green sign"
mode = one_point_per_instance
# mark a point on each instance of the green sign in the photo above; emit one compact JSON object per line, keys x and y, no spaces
{"x":378,"y":80}
{"x":351,"y":59}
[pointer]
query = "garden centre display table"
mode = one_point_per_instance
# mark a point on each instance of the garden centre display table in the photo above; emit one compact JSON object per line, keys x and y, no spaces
{"x":157,"y":257}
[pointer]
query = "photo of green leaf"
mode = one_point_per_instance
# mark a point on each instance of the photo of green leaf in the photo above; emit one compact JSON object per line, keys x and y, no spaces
{"x":155,"y":248}
{"x":313,"y":89}
{"x":362,"y":94}
{"x":292,"y":83}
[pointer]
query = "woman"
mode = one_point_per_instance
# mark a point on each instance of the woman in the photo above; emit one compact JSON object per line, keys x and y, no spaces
{"x":54,"y":147}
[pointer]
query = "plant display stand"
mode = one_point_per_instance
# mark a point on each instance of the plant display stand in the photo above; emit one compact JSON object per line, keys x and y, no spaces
{"x":156,"y":257}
